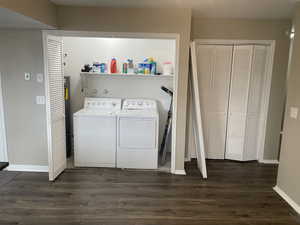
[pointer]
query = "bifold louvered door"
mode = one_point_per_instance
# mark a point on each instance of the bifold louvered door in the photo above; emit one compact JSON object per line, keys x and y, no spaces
{"x":238,"y":101}
{"x":214,"y":68}
{"x":56,"y":107}
{"x":248,"y":74}
{"x":231,"y":79}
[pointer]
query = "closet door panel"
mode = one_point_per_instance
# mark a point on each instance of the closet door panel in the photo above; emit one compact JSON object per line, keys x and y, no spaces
{"x":214,"y":68}
{"x":254,"y":102}
{"x":251,"y":138}
{"x":257,"y":79}
{"x":205,"y":56}
{"x":238,"y":101}
{"x":217,"y":135}
{"x":235,"y":137}
{"x":204,"y":63}
{"x":241,"y":71}
{"x":221,"y":79}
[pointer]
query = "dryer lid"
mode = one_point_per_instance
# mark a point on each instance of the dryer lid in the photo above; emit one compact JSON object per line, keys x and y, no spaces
{"x":139,"y":104}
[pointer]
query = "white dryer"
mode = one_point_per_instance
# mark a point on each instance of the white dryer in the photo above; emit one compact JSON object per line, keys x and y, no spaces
{"x":95,"y":131}
{"x":138,"y":130}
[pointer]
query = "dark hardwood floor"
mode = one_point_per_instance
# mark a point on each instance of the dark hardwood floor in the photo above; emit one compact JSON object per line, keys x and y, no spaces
{"x":235,"y":193}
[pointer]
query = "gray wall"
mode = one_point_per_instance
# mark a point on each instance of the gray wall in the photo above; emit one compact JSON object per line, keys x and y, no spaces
{"x":21,"y":51}
{"x":256,"y":30}
{"x":289,"y":166}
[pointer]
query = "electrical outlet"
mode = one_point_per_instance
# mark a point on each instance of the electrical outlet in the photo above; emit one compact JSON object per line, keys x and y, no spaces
{"x":294,"y":112}
{"x":40,"y":100}
{"x":40,"y":78}
{"x":27,"y":76}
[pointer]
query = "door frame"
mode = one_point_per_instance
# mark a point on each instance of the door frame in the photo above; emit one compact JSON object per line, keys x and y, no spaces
{"x":3,"y":127}
{"x":96,"y":34}
{"x":266,"y":85}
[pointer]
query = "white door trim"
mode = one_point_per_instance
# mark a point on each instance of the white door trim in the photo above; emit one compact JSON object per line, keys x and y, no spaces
{"x":2,"y":127}
{"x":266,"y":85}
{"x":171,"y":36}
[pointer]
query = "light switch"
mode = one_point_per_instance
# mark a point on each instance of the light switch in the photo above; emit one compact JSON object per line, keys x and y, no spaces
{"x":27,"y":76}
{"x":294,"y":112}
{"x":40,"y":78}
{"x":40,"y":100}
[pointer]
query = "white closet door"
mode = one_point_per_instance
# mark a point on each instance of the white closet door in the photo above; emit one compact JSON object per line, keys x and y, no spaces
{"x":3,"y":146}
{"x":254,"y":103}
{"x":214,"y":66}
{"x":238,"y":101}
{"x":55,"y":107}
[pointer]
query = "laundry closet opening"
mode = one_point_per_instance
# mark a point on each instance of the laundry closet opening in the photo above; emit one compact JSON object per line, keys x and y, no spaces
{"x":110,"y":100}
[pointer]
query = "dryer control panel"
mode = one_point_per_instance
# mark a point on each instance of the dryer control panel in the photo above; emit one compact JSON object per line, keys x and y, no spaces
{"x":139,"y":104}
{"x":102,"y":103}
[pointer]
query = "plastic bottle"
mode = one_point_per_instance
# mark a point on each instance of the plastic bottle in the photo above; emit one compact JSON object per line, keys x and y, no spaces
{"x":141,"y":68}
{"x":167,"y":68}
{"x":130,"y":66}
{"x":113,"y":66}
{"x":147,"y":68}
{"x":125,"y":68}
{"x":153,"y":68}
{"x":102,"y":68}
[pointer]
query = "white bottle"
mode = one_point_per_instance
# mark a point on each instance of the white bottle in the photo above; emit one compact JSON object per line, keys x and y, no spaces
{"x":167,"y":68}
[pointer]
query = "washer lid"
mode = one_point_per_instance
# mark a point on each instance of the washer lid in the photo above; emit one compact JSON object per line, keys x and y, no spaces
{"x":112,"y":104}
{"x":91,"y":112}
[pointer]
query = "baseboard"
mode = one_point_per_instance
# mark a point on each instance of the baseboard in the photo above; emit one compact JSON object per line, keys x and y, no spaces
{"x":267,"y":161}
{"x":27,"y":168}
{"x":179,"y":172}
{"x":290,"y":201}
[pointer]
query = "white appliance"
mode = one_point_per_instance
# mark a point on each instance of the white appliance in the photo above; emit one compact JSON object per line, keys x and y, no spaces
{"x":138,"y":130}
{"x":95,"y":131}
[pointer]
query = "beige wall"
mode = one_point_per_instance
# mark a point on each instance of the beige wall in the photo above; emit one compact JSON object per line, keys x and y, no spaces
{"x":21,"y":51}
{"x":41,"y":10}
{"x":256,"y":30}
{"x":289,"y":166}
{"x":145,"y":21}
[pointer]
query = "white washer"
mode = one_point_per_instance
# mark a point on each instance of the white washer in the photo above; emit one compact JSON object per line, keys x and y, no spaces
{"x":95,"y":131}
{"x":138,"y":127}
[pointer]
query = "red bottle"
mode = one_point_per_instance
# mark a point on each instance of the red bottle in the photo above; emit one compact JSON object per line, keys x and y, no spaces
{"x":113,"y":66}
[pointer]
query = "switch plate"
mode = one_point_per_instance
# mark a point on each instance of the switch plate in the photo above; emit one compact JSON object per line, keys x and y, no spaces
{"x":40,"y":100}
{"x":27,"y":76}
{"x":40,"y":78}
{"x":294,"y":112}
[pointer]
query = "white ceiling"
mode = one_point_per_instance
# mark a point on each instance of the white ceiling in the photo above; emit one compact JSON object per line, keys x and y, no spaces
{"x":10,"y":19}
{"x":250,"y":9}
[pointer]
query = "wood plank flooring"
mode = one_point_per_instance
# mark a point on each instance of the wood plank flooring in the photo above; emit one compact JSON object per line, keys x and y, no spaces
{"x":234,"y":194}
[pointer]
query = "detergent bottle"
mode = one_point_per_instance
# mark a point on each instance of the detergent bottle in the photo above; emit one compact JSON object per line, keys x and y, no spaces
{"x":113,"y":66}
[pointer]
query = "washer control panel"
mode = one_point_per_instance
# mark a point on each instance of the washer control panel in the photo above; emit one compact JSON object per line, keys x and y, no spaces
{"x":102,"y":103}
